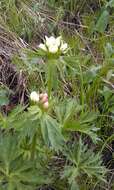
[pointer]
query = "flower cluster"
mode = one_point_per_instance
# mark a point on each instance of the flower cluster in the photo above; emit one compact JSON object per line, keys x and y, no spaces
{"x":42,"y":99}
{"x":54,"y":45}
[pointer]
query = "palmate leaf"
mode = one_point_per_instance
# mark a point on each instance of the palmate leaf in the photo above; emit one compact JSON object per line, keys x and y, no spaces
{"x":44,"y":125}
{"x":70,"y":117}
{"x":8,"y":148}
{"x":16,"y":173}
{"x":30,"y":125}
{"x":13,"y":119}
{"x":51,"y":132}
{"x":24,"y":122}
{"x":34,"y":122}
{"x":84,"y":125}
{"x":65,"y":110}
{"x":83,"y":161}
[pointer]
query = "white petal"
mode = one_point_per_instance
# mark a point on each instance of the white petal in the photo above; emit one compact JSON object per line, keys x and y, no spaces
{"x":53,"y":49}
{"x":64,"y":47}
{"x":46,"y":38}
{"x":34,"y":96}
{"x":43,"y":47}
{"x":58,"y":41}
{"x":50,"y":41}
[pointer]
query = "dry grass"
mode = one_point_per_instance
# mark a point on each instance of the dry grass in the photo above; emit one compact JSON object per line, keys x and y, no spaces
{"x":9,"y":78}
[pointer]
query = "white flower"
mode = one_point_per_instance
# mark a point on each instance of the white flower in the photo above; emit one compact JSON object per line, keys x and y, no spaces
{"x":53,"y":41}
{"x":34,"y":96}
{"x":54,"y":45}
{"x":43,"y":47}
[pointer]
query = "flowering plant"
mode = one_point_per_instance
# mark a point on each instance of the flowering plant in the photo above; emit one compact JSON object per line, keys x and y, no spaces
{"x":53,"y":48}
{"x":42,"y":99}
{"x":54,"y":45}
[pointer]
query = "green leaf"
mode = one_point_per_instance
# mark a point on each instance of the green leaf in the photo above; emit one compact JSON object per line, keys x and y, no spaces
{"x":109,"y":51}
{"x":16,"y":172}
{"x":102,"y":21}
{"x":91,"y":74}
{"x":67,"y":109}
{"x":83,"y":125}
{"x":11,"y":186}
{"x":82,"y":161}
{"x":4,"y":100}
{"x":51,"y":132}
{"x":110,"y":4}
{"x":75,"y":186}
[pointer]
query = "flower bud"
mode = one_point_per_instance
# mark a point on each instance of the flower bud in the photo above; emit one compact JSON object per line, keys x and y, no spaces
{"x":42,"y":95}
{"x":46,"y":105}
{"x":34,"y":96}
{"x":44,"y":99}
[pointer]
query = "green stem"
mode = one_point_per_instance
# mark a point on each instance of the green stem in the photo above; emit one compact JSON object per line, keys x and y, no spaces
{"x":50,"y":75}
{"x":82,"y":87}
{"x":49,"y":79}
